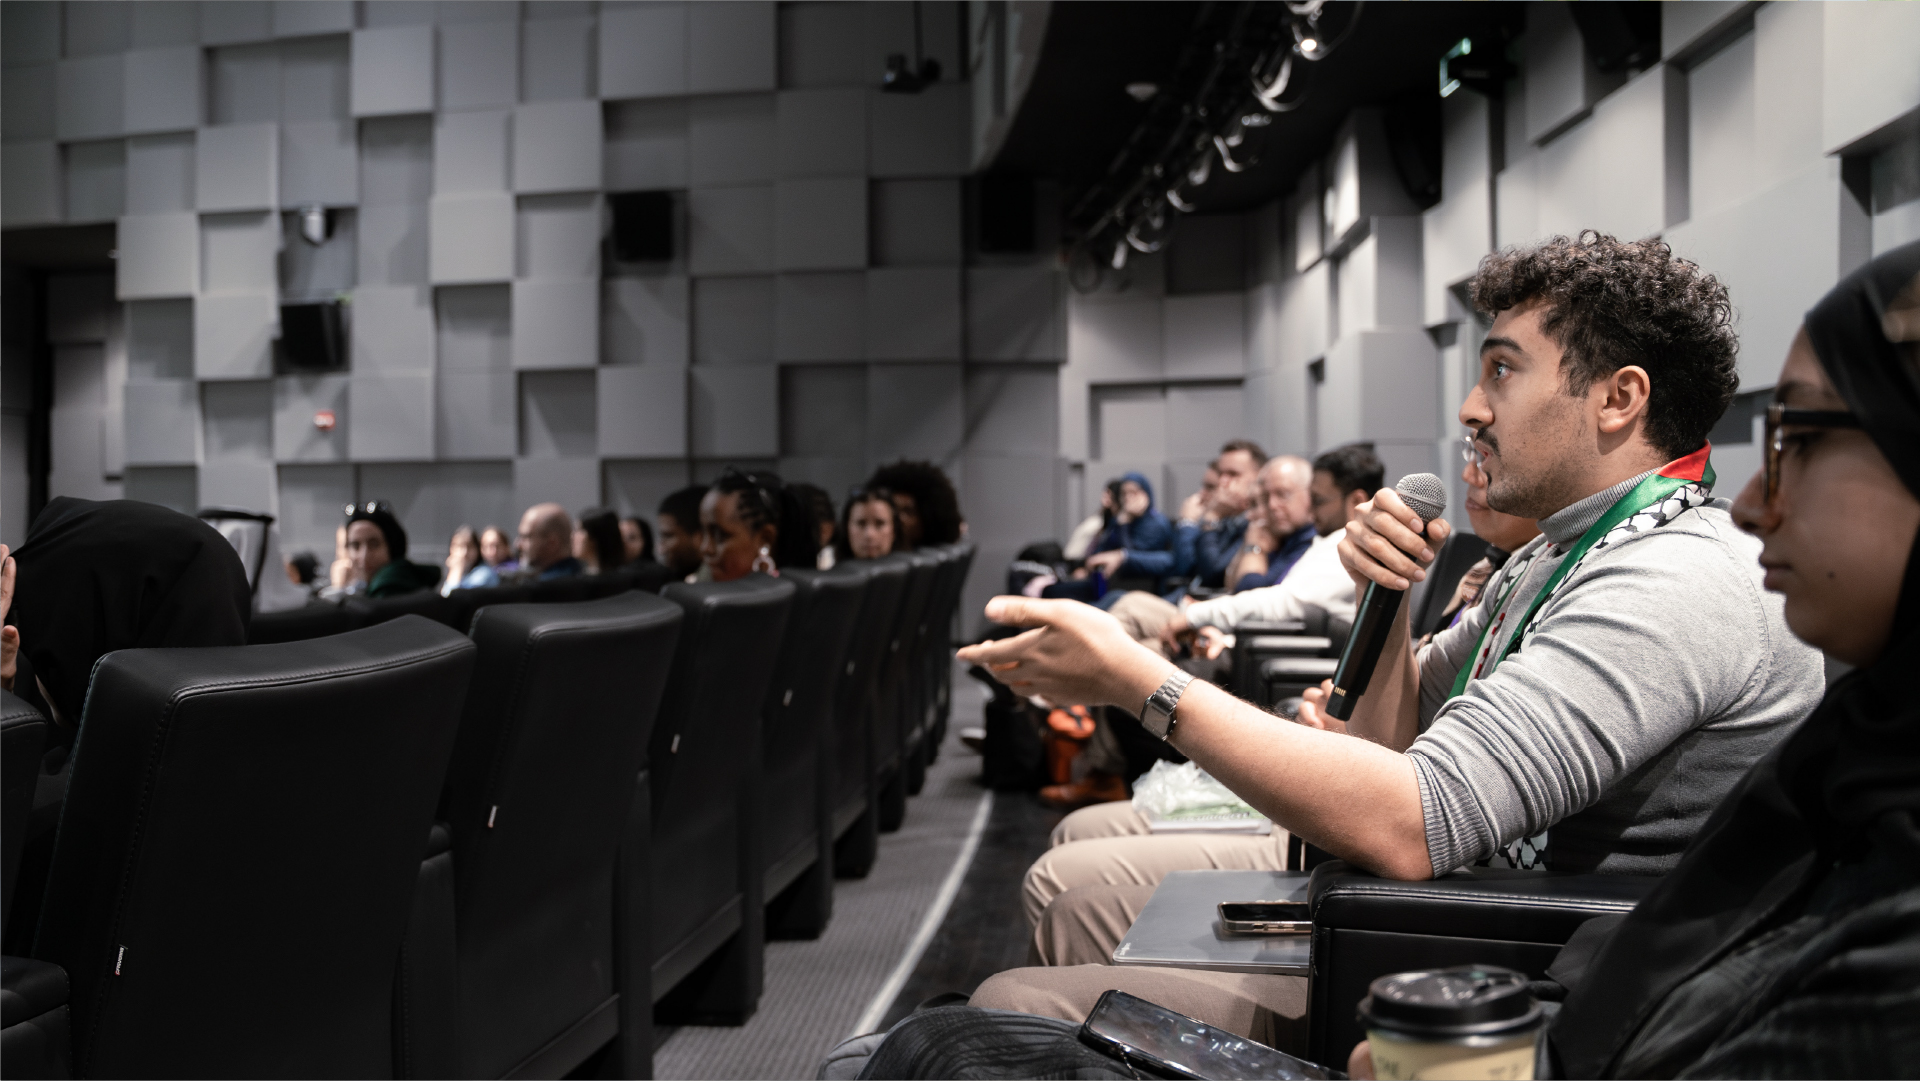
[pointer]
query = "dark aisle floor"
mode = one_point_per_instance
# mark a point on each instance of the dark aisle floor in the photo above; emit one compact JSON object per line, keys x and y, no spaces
{"x":984,"y":931}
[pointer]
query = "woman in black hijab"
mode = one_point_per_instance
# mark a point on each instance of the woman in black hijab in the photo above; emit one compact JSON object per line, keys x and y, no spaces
{"x":96,"y":577}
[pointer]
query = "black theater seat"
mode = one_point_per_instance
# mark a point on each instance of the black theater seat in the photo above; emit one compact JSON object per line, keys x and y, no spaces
{"x":468,"y":601}
{"x":235,"y":864}
{"x":23,"y":732}
{"x":938,"y":643}
{"x":317,"y":619}
{"x":796,"y":750}
{"x":575,"y":587}
{"x":34,"y":1033}
{"x":551,"y":744}
{"x":421,"y":602}
{"x":707,"y":921}
{"x":893,"y":725}
{"x":853,"y":791}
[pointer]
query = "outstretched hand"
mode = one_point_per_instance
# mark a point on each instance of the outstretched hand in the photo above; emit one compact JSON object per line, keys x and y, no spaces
{"x":1074,"y":654}
{"x":1385,"y":543}
{"x":9,"y":635}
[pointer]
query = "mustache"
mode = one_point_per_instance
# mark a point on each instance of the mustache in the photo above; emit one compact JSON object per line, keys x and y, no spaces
{"x":1486,"y":435}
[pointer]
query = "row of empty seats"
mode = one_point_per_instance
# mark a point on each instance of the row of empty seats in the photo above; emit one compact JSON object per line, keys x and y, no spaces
{"x":620,"y":798}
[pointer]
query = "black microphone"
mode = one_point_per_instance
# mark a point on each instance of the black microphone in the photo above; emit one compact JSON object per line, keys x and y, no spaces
{"x":1426,"y":496}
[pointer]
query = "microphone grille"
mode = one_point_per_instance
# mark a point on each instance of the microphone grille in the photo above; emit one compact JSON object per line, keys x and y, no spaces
{"x":1424,"y":494}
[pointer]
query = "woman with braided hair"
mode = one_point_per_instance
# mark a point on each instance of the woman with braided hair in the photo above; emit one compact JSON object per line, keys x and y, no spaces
{"x":752,"y":521}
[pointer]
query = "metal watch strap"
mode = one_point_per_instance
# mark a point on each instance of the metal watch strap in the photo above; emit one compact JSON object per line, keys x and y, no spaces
{"x":1157,"y":713}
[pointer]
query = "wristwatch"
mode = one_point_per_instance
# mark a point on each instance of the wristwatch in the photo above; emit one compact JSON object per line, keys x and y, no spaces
{"x":1157,"y":714}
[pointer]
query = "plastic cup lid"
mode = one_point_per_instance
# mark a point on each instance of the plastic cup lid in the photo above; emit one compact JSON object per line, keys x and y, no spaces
{"x":1466,"y":1000}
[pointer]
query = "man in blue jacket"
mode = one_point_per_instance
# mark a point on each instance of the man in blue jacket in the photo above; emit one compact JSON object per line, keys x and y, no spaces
{"x":1207,"y":536}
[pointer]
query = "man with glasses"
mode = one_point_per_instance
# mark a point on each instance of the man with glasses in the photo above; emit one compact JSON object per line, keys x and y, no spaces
{"x":1613,"y":682}
{"x":546,"y":544}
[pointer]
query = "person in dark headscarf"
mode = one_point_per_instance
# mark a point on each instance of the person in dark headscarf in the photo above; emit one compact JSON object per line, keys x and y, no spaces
{"x":597,"y":541}
{"x":96,"y":577}
{"x":377,"y":549}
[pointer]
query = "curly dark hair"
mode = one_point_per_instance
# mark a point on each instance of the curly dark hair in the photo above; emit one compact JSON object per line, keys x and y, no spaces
{"x":933,"y":496}
{"x":843,"y":545}
{"x":1613,"y":303}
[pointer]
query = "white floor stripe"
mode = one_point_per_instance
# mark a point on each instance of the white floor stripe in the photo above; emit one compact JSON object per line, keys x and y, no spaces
{"x":897,"y":979}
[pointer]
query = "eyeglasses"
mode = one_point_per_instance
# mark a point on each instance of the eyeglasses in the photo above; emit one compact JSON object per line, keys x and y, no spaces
{"x":371,"y":506}
{"x":1771,"y":441}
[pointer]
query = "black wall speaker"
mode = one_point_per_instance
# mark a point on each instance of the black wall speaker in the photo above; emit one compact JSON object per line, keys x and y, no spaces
{"x":643,"y":226}
{"x":1006,"y":213}
{"x":312,"y":338}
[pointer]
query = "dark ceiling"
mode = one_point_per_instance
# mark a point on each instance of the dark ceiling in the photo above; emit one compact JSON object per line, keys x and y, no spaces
{"x":1077,"y":115}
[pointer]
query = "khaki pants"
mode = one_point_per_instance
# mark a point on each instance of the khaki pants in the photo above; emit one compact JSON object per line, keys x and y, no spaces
{"x":1143,"y":615}
{"x":1270,"y":1009}
{"x":1109,"y":845}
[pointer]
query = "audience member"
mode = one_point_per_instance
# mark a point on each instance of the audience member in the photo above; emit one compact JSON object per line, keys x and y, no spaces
{"x":1211,"y":528}
{"x":1080,"y":542}
{"x":638,"y":539}
{"x":497,"y":549}
{"x":867,"y":525}
{"x":1607,"y":364}
{"x":753,"y":523}
{"x":303,"y":568}
{"x":929,"y":511}
{"x":597,"y":541}
{"x":1279,"y":529}
{"x":678,"y":519}
{"x":1137,"y":529}
{"x":546,"y":545}
{"x":340,"y":571}
{"x":377,"y":555}
{"x":820,"y":510}
{"x":465,"y":567}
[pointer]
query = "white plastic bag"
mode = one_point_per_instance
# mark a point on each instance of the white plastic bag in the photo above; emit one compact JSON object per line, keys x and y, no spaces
{"x":1184,"y":798}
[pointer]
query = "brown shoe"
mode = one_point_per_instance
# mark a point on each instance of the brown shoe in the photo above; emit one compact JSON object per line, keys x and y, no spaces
{"x":1092,"y":789}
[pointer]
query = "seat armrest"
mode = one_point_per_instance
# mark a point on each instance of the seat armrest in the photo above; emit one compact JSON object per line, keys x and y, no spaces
{"x":37,"y":1036}
{"x":1270,"y":626}
{"x":1478,"y":902}
{"x":31,"y":988}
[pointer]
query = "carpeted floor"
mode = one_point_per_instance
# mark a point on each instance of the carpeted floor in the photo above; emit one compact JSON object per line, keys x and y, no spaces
{"x":817,"y":991}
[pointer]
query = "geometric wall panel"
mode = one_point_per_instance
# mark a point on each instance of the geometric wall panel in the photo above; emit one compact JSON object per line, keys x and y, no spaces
{"x":296,"y":399}
{"x":316,"y":77}
{"x":159,"y":173}
{"x":319,"y":163}
{"x":557,"y":415}
{"x":821,"y":223}
{"x":393,"y":330}
{"x":1205,"y":335}
{"x":396,"y":160}
{"x":1014,"y":313}
{"x":474,"y":328}
{"x":29,"y":33}
{"x":162,"y":422}
{"x":236,"y":167}
{"x":473,"y":237}
{"x":922,"y":134}
{"x":644,"y":321}
{"x":558,"y":236}
{"x":556,"y":56}
{"x":393,"y":71}
{"x":312,"y":17}
{"x":88,"y":99}
{"x":159,"y":256}
{"x":730,"y":47}
{"x":917,"y":222}
{"x":243,"y":84}
{"x":646,"y":145}
{"x":241,"y":20}
{"x":818,"y":317}
{"x":823,"y":45}
{"x":237,"y":420}
{"x":470,"y":151}
{"x":163,"y":90}
{"x":914,"y":411}
{"x":159,"y":339}
{"x":731,"y":230}
{"x":241,"y":483}
{"x":731,"y":140}
{"x":237,"y":252}
{"x":96,"y":180}
{"x":643,"y":51}
{"x":914,"y":313}
{"x":557,"y":147}
{"x":479,"y":65}
{"x":475,"y":416}
{"x":233,"y":335}
{"x":642,"y":412}
{"x":391,"y":243}
{"x":574,"y":483}
{"x":734,"y":320}
{"x":736,"y":411}
{"x":556,"y":323}
{"x":822,"y":132}
{"x":26,"y":103}
{"x":393,"y":418}
{"x":164,"y":23}
{"x":310,"y":500}
{"x":30,"y":183}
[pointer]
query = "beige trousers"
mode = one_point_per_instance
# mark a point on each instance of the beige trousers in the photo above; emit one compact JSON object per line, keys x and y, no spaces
{"x":1109,"y":844}
{"x":1271,"y":1009}
{"x":1143,"y":615}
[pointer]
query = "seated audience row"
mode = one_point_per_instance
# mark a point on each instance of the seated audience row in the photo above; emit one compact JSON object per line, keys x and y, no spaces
{"x":1620,"y":697}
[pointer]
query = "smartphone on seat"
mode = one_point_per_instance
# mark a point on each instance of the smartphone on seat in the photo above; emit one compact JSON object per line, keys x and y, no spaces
{"x":1152,"y":1039}
{"x":1266,"y":917}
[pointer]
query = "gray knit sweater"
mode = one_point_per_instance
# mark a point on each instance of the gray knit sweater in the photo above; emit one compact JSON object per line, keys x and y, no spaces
{"x":1657,"y":674}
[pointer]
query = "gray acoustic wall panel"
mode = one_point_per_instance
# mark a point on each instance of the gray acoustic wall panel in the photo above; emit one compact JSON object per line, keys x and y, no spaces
{"x":316,"y":78}
{"x":175,"y":487}
{"x":643,"y":51}
{"x":558,"y":236}
{"x":97,"y":29}
{"x":557,"y":58}
{"x":165,"y":22}
{"x":917,"y":222}
{"x":162,"y":90}
{"x":393,"y":330}
{"x":1013,"y":410}
{"x":297,"y":399}
{"x":1014,"y":313}
{"x":1205,"y":335}
{"x":819,"y":317}
{"x":574,"y":483}
{"x":30,"y":33}
{"x":311,"y":500}
{"x":914,"y":411}
{"x":96,"y":180}
{"x":644,"y":321}
{"x":319,"y":163}
{"x":731,"y":140}
{"x":396,"y":161}
{"x":233,"y":335}
{"x":820,"y":223}
{"x":557,"y":146}
{"x":243,"y":84}
{"x":480,"y":65}
{"x":475,"y":418}
{"x":637,"y":488}
{"x":472,"y":238}
{"x":162,"y":422}
{"x":30,"y":183}
{"x":823,"y":45}
{"x":470,"y":150}
{"x":735,"y":411}
{"x":246,"y":484}
{"x":922,"y":134}
{"x":1117,"y":337}
{"x":88,"y":98}
{"x":434,"y":499}
{"x":393,"y":71}
{"x":237,"y":252}
{"x":642,"y":411}
{"x":237,"y":167}
{"x":556,"y":323}
{"x":393,"y":418}
{"x":300,"y":18}
{"x":26,"y":102}
{"x":646,"y":144}
{"x":557,"y":415}
{"x":159,"y":339}
{"x":393,"y":244}
{"x":914,"y":313}
{"x":475,"y":328}
{"x":731,"y":230}
{"x":159,"y":256}
{"x":319,"y":272}
{"x":237,"y":420}
{"x":822,"y":132}
{"x":734,"y":321}
{"x":823,"y":412}
{"x":730,"y":47}
{"x":80,"y":308}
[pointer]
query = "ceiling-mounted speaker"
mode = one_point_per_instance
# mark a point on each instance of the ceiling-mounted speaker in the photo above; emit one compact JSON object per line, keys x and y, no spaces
{"x":643,"y":226}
